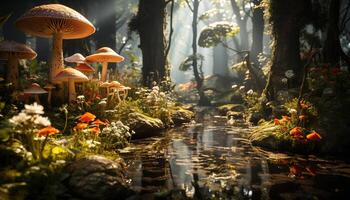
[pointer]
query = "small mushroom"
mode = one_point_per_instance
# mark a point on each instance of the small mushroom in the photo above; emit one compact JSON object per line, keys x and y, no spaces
{"x":85,"y":68}
{"x":104,"y":55}
{"x":49,"y":87}
{"x":57,"y":21}
{"x":116,"y":87}
{"x":75,"y":58}
{"x":105,"y":85}
{"x":12,"y":51}
{"x":125,"y":89}
{"x":35,"y":90}
{"x":71,"y":75}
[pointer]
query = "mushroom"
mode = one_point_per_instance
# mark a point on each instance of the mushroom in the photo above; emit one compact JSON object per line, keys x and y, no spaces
{"x":105,"y":85}
{"x":12,"y":51}
{"x":71,"y":75}
{"x":116,"y":86}
{"x":104,"y":55}
{"x":49,"y":87}
{"x":35,"y":90}
{"x":75,"y":58}
{"x":85,"y":68}
{"x":125,"y":89}
{"x":57,"y":21}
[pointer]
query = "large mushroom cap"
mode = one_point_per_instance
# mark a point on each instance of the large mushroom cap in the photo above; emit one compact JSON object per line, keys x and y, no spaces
{"x":34,"y":89}
{"x":75,"y":58}
{"x":85,"y":68}
{"x":12,"y":48}
{"x":105,"y":54}
{"x":70,"y":73}
{"x":45,"y":20}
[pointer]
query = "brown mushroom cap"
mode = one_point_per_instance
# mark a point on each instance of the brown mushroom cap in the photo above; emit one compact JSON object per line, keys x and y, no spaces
{"x":105,"y":54}
{"x":70,"y":73}
{"x":45,"y":20}
{"x":115,"y":84}
{"x":75,"y":58}
{"x":34,"y":89}
{"x":12,"y":48}
{"x":105,"y":85}
{"x":85,"y":68}
{"x":49,"y":86}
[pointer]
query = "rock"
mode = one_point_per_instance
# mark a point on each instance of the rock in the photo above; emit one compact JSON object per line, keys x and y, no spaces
{"x":143,"y":125}
{"x":180,"y":116}
{"x":234,"y":115}
{"x":230,"y":107}
{"x":96,"y":177}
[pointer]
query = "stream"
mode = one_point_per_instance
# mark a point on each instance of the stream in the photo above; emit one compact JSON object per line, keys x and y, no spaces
{"x":208,"y":159}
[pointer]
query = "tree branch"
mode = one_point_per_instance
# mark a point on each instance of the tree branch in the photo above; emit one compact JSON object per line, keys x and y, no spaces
{"x":171,"y":29}
{"x":189,"y":5}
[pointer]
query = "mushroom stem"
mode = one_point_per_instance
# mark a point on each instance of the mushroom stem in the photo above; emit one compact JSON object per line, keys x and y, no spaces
{"x":37,"y":98}
{"x":49,"y":98}
{"x":107,"y":91}
{"x":104,"y":71}
{"x":71,"y":90}
{"x":12,"y":75}
{"x":57,"y":55}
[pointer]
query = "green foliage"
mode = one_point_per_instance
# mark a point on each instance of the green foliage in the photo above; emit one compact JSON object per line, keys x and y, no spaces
{"x":216,"y":33}
{"x":188,"y":62}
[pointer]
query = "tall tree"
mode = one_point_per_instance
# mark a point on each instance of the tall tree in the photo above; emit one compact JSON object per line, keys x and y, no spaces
{"x":258,"y":30}
{"x":242,"y":23}
{"x":286,"y":18}
{"x":149,"y":24}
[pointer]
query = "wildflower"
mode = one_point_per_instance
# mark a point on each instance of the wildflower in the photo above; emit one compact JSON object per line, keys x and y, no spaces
{"x":304,"y":106}
{"x":295,"y":132}
{"x":96,"y":130}
{"x":47,"y":131}
{"x":293,"y":111}
{"x":284,"y":80}
{"x":234,"y":86}
{"x":19,"y":119}
{"x":92,"y":143}
{"x":314,"y":136}
{"x":81,"y":126}
{"x":289,"y":73}
{"x":81,"y":97}
{"x":276,"y":121}
{"x":102,"y":102}
{"x":242,"y":87}
{"x":250,"y":92}
{"x":42,"y":121}
{"x":285,"y":119}
{"x":87,"y":117}
{"x":34,"y":109}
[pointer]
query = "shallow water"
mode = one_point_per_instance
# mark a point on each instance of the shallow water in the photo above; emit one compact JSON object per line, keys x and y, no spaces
{"x":212,"y":160}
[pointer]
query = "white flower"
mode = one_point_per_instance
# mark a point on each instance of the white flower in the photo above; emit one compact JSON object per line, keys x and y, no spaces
{"x":92,"y":143}
{"x":81,"y":98}
{"x":289,"y":73}
{"x":21,"y":118}
{"x":242,"y":87}
{"x":250,"y":92}
{"x":234,"y":86}
{"x":293,"y":111}
{"x":34,"y":109}
{"x":284,"y":80}
{"x":43,"y":121}
{"x":102,"y":103}
{"x":156,"y":88}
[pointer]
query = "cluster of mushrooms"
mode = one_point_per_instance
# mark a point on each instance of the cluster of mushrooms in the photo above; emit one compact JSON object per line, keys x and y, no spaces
{"x":59,"y":22}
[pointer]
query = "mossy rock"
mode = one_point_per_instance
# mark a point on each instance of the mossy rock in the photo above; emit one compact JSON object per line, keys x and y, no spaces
{"x":180,"y":115}
{"x":96,"y":177}
{"x":230,"y":107}
{"x":143,"y":125}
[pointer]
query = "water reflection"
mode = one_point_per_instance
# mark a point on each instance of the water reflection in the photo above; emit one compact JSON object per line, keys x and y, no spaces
{"x":211,"y":160}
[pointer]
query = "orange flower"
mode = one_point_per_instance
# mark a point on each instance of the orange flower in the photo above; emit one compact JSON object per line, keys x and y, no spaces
{"x":98,"y":122}
{"x":314,"y":136}
{"x":96,"y":130}
{"x":285,"y":119}
{"x":304,"y":106}
{"x":295,"y":132}
{"x":47,"y":131}
{"x":276,"y":121}
{"x":302,"y":117}
{"x":81,"y":126}
{"x":87,"y":117}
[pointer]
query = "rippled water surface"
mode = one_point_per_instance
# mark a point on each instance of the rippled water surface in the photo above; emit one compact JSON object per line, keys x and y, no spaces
{"x":212,"y":160}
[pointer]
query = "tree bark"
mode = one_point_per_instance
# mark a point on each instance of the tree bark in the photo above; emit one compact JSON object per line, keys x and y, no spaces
{"x":149,"y":23}
{"x":258,"y":32}
{"x":286,"y":18}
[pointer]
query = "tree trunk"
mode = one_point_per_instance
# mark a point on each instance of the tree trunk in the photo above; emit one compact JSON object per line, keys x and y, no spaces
{"x":286,"y":22}
{"x":331,"y":48}
{"x":203,"y":100}
{"x":242,"y":23}
{"x":149,"y":23}
{"x":258,"y":32}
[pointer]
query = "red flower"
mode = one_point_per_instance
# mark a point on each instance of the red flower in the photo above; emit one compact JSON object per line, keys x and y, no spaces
{"x":276,"y":121}
{"x":81,"y":126}
{"x":98,"y":122}
{"x":47,"y":131}
{"x":87,"y":117}
{"x":314,"y":136}
{"x":295,"y":132}
{"x":96,"y":130}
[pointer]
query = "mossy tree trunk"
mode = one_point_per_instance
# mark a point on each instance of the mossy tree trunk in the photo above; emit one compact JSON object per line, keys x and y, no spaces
{"x":149,"y":23}
{"x":287,"y":18}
